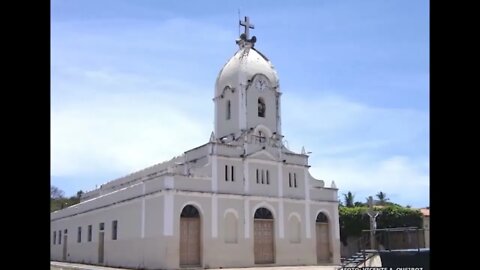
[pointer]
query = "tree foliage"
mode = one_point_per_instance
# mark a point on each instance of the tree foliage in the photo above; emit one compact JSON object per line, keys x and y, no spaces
{"x":355,"y":219}
{"x":382,"y":198}
{"x":58,"y":201}
{"x":349,"y":199}
{"x":56,"y":193}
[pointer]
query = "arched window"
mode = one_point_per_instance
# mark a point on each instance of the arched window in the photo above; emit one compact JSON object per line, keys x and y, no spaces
{"x":229,"y":109}
{"x":322,"y":218}
{"x":261,"y":107}
{"x":190,"y":211}
{"x":263,"y":213}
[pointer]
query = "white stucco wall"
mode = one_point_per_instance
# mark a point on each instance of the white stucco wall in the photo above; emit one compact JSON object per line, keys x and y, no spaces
{"x":148,"y":230}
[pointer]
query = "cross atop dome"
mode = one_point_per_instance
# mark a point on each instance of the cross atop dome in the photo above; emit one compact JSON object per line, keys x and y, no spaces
{"x":244,"y":37}
{"x":246,"y":24}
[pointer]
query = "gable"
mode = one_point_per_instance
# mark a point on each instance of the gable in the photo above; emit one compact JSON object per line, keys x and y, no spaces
{"x":262,"y":155}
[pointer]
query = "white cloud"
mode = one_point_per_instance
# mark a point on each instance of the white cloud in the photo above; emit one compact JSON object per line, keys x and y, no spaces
{"x":125,"y":130}
{"x":403,"y":179}
{"x":332,"y":125}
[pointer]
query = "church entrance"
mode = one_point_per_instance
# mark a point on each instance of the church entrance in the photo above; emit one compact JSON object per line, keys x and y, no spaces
{"x":190,"y":237}
{"x":101,"y":240}
{"x":64,"y":254}
{"x":323,"y":243}
{"x":264,"y":237}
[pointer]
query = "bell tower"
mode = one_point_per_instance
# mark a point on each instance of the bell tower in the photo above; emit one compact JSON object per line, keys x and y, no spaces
{"x":247,"y":92}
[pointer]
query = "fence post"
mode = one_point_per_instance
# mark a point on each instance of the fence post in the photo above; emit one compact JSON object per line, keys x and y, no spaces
{"x":418,"y":241}
{"x":388,"y":240}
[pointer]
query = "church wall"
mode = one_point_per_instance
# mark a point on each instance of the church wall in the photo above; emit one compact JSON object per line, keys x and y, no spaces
{"x":156,"y":184}
{"x":292,"y":191}
{"x":202,"y":168}
{"x":158,"y":249}
{"x":197,"y":153}
{"x":226,"y":126}
{"x":127,"y":249}
{"x":172,"y":243}
{"x":223,"y":250}
{"x":323,"y":194}
{"x":154,"y":241}
{"x":228,"y":150}
{"x":191,"y":183}
{"x":295,"y":159}
{"x":105,"y":200}
{"x":330,"y":209}
{"x":229,"y":186}
{"x":264,"y":189}
{"x":290,"y":252}
{"x":123,"y":251}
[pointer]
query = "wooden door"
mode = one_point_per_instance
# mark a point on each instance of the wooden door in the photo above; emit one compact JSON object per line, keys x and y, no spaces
{"x":263,"y":241}
{"x":101,"y":241}
{"x":64,"y":255}
{"x":189,"y":241}
{"x":323,"y":246}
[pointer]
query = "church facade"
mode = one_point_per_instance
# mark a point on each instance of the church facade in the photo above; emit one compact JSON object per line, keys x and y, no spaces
{"x":242,"y":199}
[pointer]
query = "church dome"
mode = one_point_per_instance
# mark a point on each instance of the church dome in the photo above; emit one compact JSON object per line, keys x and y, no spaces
{"x":242,"y":67}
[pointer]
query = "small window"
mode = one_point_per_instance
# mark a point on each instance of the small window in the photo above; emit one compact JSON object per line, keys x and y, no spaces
{"x":114,"y":230}
{"x":79,"y":235}
{"x":263,"y":176}
{"x":226,"y":172}
{"x":59,"y":237}
{"x":101,"y":226}
{"x":268,"y":178}
{"x":229,"y":110}
{"x":261,"y":107}
{"x":89,"y":233}
{"x":290,"y":179}
{"x":54,"y":237}
{"x":257,"y":177}
{"x":65,"y":231}
{"x":233,"y":174}
{"x":295,"y":179}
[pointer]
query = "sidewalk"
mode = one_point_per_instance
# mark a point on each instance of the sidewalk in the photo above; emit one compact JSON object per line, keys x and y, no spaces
{"x":70,"y":266}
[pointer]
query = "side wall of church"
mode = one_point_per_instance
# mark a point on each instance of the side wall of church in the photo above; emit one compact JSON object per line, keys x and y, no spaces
{"x":81,"y":249}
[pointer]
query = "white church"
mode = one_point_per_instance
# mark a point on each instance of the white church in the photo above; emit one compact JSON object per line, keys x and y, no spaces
{"x":240,"y":200}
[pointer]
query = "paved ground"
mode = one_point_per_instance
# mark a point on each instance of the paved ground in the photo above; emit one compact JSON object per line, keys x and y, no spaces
{"x":76,"y":266}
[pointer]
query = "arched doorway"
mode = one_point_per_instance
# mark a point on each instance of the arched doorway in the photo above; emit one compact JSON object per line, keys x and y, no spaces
{"x":264,"y":236}
{"x":323,"y":238}
{"x":190,"y":236}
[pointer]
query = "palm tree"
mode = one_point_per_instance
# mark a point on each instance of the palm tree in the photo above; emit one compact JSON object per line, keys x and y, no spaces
{"x":349,"y":198}
{"x":382,"y":198}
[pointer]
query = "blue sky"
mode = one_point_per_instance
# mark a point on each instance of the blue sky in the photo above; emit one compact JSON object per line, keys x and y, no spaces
{"x":132,"y":84}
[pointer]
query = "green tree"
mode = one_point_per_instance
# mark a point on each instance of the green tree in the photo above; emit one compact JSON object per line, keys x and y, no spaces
{"x":354,"y":219}
{"x":382,"y":198}
{"x":56,"y":193}
{"x":349,"y":199}
{"x":360,"y":204}
{"x":58,"y":201}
